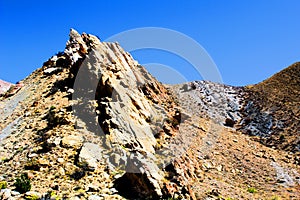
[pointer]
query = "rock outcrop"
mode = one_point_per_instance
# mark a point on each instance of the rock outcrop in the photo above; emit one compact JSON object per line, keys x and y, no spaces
{"x":4,"y":86}
{"x":92,"y":123}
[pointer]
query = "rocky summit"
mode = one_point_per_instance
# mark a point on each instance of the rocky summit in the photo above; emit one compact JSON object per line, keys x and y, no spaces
{"x":92,"y":123}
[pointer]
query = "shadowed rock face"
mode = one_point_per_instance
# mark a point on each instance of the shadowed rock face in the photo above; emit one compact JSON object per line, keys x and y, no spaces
{"x":93,"y":123}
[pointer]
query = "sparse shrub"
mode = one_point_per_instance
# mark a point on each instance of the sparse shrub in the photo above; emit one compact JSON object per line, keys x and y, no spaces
{"x":22,"y":183}
{"x":3,"y":185}
{"x":252,"y":190}
{"x":60,"y":53}
{"x":32,"y":197}
{"x":281,"y":137}
{"x":32,"y":165}
{"x":275,"y":198}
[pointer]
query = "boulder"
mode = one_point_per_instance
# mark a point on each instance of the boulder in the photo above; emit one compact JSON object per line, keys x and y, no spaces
{"x":90,"y":154}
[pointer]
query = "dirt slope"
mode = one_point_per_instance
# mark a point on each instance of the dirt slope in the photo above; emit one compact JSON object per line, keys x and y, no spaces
{"x":92,"y":123}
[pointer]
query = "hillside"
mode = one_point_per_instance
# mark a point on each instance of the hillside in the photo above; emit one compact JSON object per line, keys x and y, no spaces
{"x":280,"y":96}
{"x":92,"y":123}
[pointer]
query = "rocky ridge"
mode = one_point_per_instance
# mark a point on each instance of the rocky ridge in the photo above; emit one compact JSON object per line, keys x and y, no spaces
{"x":94,"y":124}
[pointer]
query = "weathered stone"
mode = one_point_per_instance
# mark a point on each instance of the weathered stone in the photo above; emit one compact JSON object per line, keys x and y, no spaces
{"x":43,"y":162}
{"x":52,"y":70}
{"x":94,"y":197}
{"x":72,"y":141}
{"x":6,"y":194}
{"x":90,"y":154}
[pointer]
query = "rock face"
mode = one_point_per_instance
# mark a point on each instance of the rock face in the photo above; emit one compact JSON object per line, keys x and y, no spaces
{"x":4,"y":86}
{"x":92,"y":123}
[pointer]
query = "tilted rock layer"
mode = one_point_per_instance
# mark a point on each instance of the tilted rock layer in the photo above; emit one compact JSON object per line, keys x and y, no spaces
{"x":92,"y":123}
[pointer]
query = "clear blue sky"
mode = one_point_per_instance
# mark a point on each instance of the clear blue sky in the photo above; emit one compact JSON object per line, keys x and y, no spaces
{"x":248,"y":40}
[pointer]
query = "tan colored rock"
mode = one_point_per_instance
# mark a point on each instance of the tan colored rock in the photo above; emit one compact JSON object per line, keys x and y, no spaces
{"x":72,"y":141}
{"x":43,"y":162}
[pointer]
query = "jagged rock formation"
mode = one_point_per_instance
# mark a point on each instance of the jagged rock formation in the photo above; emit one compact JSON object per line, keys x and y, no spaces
{"x":93,"y":123}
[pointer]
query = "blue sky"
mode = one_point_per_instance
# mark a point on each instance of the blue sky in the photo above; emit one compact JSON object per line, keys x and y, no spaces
{"x":248,"y":40}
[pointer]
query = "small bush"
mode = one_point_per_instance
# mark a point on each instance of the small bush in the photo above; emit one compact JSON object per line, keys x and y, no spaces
{"x":32,"y":197}
{"x":22,"y":183}
{"x":3,"y":185}
{"x":252,"y":190}
{"x":275,"y":198}
{"x":32,"y":165}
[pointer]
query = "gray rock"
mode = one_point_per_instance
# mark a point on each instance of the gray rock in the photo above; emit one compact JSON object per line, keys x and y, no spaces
{"x":52,"y":70}
{"x":90,"y":155}
{"x":6,"y":194}
{"x":94,"y":197}
{"x":15,"y":193}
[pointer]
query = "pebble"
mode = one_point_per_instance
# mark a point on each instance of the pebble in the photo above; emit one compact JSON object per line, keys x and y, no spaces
{"x":94,"y":197}
{"x":32,"y":155}
{"x":15,"y":193}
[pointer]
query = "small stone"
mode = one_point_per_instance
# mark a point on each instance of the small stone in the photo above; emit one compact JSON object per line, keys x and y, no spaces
{"x":219,"y":168}
{"x":6,"y":193}
{"x":57,"y":141}
{"x":60,"y":160}
{"x":106,"y":175}
{"x":113,"y":190}
{"x":30,"y":175}
{"x":106,"y":191}
{"x":72,"y":141}
{"x":70,"y":90}
{"x":43,"y":162}
{"x":207,"y":165}
{"x":61,"y":171}
{"x":51,"y":70}
{"x":15,"y":193}
{"x":235,"y":140}
{"x":32,"y":155}
{"x":91,"y":188}
{"x":117,"y":176}
{"x":94,"y":197}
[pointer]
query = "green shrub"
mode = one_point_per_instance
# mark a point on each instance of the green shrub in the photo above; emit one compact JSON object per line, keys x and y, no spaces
{"x":251,"y":190}
{"x":3,"y":185}
{"x":32,"y":197}
{"x":22,"y":183}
